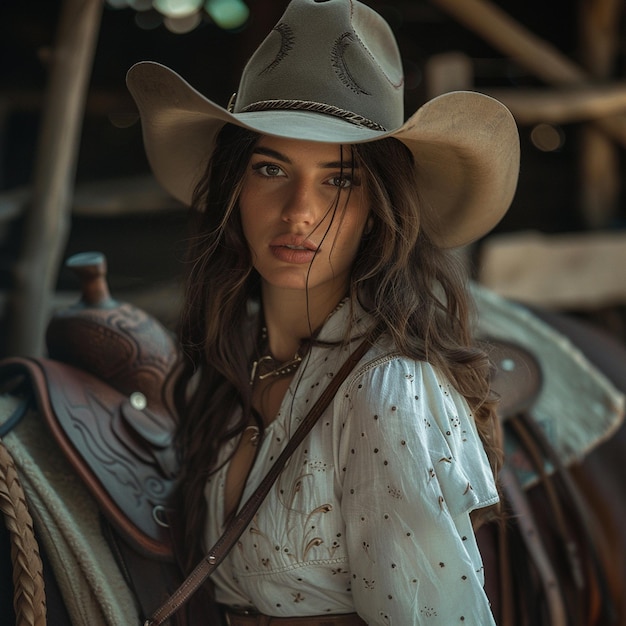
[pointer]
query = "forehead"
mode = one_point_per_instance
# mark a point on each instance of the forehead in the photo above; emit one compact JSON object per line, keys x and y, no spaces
{"x":310,"y":152}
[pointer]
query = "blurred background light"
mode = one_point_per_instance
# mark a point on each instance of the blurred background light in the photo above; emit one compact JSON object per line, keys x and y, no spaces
{"x":182,"y":16}
{"x":547,"y":138}
{"x":227,"y":14}
{"x":178,"y":8}
{"x":140,"y":5}
{"x":185,"y":24}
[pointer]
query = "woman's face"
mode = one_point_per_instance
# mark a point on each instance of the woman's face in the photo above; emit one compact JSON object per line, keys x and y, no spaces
{"x":303,"y":211}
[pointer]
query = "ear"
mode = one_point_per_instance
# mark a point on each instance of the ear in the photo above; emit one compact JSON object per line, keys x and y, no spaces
{"x":369,"y":225}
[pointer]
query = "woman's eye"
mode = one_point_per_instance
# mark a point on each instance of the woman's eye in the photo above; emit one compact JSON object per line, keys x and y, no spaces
{"x":268,"y":169}
{"x":342,"y":182}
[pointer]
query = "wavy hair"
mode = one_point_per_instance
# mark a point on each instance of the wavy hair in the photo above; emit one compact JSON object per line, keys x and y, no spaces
{"x":416,"y":289}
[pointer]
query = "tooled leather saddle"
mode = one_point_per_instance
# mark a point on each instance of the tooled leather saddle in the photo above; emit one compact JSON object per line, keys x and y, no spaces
{"x":105,"y":392}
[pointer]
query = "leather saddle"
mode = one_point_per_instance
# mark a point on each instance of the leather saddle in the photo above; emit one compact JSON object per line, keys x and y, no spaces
{"x":105,"y":393}
{"x":547,"y":552}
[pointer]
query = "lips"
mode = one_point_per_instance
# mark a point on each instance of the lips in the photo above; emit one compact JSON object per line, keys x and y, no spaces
{"x":294,"y":241}
{"x":293,"y":249}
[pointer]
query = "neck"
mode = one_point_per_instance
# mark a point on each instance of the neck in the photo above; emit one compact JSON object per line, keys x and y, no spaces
{"x":291,"y":317}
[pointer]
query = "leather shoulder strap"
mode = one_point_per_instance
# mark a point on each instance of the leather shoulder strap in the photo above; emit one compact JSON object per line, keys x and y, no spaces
{"x":243,"y":518}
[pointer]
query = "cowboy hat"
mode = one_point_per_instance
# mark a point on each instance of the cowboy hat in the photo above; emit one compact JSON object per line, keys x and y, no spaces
{"x":331,"y":71}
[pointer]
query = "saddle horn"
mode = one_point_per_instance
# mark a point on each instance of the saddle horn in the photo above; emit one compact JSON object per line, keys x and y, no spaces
{"x":116,"y":342}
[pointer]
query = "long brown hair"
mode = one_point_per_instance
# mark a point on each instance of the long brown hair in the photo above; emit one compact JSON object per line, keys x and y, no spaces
{"x":416,"y":289}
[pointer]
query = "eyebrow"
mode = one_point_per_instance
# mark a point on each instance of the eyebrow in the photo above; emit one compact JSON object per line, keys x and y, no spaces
{"x":279,"y":156}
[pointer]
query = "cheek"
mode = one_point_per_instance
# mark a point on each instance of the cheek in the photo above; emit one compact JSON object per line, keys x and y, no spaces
{"x":359,"y":218}
{"x":351,"y":231}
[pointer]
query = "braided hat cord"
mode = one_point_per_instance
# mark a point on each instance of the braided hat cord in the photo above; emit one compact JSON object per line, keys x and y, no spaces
{"x":29,"y":598}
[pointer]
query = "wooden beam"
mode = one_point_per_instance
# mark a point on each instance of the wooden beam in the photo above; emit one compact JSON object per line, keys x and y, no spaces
{"x":564,"y":105}
{"x":577,"y":271}
{"x":503,"y":32}
{"x":111,"y":197}
{"x":538,"y":56}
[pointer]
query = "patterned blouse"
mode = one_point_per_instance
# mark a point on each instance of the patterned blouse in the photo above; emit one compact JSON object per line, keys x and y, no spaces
{"x":371,"y":513}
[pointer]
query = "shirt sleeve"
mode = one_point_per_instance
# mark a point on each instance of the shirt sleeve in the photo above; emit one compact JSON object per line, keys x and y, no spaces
{"x":413,"y":468}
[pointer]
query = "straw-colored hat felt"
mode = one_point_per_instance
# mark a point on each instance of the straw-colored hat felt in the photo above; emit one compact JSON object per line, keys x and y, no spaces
{"x":331,"y":71}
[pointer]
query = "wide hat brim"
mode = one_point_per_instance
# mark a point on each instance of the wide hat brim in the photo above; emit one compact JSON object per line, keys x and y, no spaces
{"x":465,"y":145}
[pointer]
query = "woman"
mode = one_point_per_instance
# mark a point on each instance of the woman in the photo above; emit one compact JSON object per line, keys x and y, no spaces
{"x":321,"y":214}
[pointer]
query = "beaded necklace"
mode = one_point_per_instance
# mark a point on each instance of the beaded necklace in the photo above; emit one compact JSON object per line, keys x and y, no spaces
{"x":267,"y":366}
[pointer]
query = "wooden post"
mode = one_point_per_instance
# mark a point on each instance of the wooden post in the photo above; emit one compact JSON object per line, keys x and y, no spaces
{"x":598,"y":156}
{"x":47,"y":218}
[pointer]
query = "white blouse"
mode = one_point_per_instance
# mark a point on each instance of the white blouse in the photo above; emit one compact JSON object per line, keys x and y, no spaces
{"x":371,"y":513}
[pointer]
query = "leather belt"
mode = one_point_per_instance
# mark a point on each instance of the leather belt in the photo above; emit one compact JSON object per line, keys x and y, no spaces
{"x":256,"y":619}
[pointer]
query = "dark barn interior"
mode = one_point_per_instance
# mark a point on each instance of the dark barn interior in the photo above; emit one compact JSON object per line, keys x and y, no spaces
{"x":571,"y":163}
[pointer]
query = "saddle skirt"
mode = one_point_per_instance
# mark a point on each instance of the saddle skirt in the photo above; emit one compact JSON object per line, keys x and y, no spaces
{"x":122,"y":454}
{"x":576,"y":406}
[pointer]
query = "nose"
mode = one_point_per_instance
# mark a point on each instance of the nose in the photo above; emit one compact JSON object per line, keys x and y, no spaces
{"x":302,"y":205}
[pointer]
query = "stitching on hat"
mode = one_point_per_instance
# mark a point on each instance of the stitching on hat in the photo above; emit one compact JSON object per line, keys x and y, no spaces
{"x":395,"y":85}
{"x":339,"y":64}
{"x":316,"y":107}
{"x":287,"y":42}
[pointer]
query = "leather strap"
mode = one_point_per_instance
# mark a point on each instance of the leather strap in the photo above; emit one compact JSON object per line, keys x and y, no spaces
{"x":243,"y":518}
{"x":256,"y":619}
{"x":597,"y":575}
{"x":532,"y":539}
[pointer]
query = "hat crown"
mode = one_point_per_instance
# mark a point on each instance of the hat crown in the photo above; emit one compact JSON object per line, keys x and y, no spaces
{"x":338,"y":53}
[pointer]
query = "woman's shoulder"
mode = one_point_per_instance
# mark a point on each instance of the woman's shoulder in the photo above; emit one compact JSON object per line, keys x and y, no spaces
{"x":387,"y":383}
{"x":397,"y":403}
{"x":384,"y":363}
{"x":383,"y":368}
{"x":397,"y":388}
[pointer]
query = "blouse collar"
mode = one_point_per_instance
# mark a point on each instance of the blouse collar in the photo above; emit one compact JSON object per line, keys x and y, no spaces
{"x":347,"y":321}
